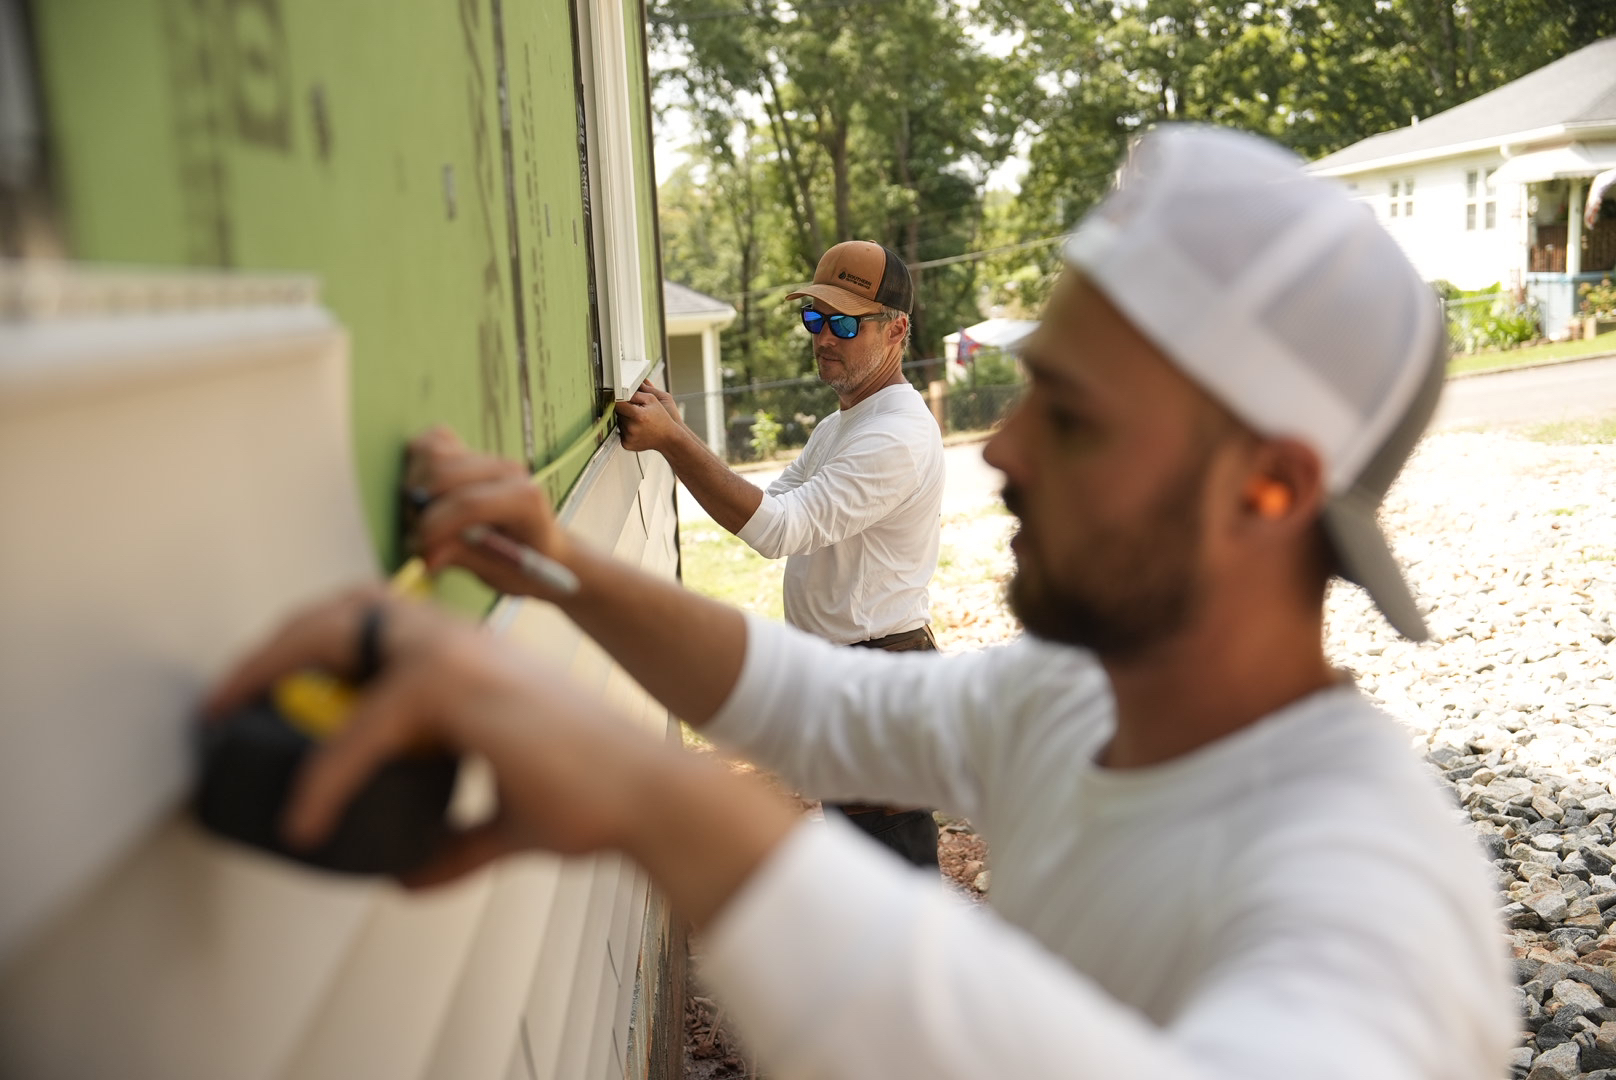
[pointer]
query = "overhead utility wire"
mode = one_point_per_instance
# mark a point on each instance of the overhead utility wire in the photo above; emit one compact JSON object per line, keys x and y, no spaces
{"x":969,"y":256}
{"x":700,"y":16}
{"x":972,"y":256}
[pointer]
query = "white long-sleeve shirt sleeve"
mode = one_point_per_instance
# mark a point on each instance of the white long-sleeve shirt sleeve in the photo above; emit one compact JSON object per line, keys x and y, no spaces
{"x":852,"y":724}
{"x":872,"y":473}
{"x":839,"y":962}
{"x":857,"y":517}
{"x":1292,"y":901}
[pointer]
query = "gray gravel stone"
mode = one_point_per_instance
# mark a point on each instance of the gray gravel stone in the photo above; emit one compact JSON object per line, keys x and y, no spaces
{"x":1600,"y":982}
{"x":1559,"y":1063}
{"x":1569,"y":994}
{"x":1514,"y":703}
{"x":1551,"y":907}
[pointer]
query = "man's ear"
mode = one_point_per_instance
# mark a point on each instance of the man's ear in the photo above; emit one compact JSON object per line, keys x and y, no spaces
{"x":1285,"y":484}
{"x":896,"y":329}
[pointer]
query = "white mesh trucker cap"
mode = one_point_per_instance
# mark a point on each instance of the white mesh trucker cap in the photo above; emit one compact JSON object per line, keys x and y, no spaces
{"x":1289,"y":303}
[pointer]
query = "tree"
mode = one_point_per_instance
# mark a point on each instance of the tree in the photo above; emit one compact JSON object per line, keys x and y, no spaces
{"x":1316,"y":75}
{"x":875,"y":120}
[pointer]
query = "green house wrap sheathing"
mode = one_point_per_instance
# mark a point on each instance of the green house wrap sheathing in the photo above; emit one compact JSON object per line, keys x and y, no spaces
{"x":367,"y":143}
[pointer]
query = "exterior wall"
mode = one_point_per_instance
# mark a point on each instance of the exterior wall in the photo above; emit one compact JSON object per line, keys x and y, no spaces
{"x":686,"y":377}
{"x":185,"y":955}
{"x":364,"y":145}
{"x":1435,"y":237}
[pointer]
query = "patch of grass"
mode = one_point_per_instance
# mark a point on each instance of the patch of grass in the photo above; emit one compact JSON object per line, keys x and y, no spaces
{"x":1566,"y":511}
{"x":717,"y":564}
{"x":1507,"y":358}
{"x":1575,"y":433}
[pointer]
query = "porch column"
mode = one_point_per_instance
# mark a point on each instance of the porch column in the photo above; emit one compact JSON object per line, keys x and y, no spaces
{"x":712,"y":383}
{"x":1574,"y":229}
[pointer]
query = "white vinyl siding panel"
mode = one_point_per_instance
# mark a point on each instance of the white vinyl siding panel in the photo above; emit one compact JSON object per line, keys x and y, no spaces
{"x":175,"y":956}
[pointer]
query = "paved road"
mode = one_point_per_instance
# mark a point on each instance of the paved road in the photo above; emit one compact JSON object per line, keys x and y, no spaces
{"x":1534,"y":396}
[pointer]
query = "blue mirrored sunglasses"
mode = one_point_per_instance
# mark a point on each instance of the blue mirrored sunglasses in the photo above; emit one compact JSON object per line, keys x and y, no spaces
{"x":843,"y":326}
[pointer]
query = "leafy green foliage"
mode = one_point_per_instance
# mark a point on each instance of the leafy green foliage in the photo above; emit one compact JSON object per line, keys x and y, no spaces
{"x":765,"y":435}
{"x":1481,"y":319}
{"x":1315,"y":75}
{"x":834,"y":121}
{"x":993,"y":367}
{"x":824,"y":120}
{"x":1598,"y":299}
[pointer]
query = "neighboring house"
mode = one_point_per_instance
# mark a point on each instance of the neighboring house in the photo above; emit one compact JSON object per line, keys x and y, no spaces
{"x":1491,"y":191}
{"x":368,"y":218}
{"x":961,"y":347}
{"x":694,"y":320}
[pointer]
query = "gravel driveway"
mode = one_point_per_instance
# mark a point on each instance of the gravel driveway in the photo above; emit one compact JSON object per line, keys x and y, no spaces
{"x":1511,"y":546}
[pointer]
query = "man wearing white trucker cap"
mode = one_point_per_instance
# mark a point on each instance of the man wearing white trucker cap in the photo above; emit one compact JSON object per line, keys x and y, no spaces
{"x":1212,"y":857}
{"x":856,"y":515}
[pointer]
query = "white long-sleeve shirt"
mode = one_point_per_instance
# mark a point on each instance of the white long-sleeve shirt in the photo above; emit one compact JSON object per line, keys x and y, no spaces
{"x":857,"y":514}
{"x":1296,"y":900}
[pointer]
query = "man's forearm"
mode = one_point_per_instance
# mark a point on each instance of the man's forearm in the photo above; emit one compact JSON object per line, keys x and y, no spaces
{"x":701,"y":833}
{"x":685,"y":649}
{"x":721,"y":491}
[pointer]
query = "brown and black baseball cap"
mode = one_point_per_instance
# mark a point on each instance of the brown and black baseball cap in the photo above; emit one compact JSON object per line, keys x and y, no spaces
{"x":857,"y":277}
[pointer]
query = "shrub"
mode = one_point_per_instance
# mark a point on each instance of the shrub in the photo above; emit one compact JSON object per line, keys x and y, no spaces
{"x":1505,"y":326}
{"x":994,"y":368}
{"x":1598,"y":299}
{"x":765,"y":435}
{"x":1486,"y":318}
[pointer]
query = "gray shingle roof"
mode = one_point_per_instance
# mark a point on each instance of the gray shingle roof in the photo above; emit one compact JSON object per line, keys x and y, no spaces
{"x":683,"y":300}
{"x":1575,"y":89}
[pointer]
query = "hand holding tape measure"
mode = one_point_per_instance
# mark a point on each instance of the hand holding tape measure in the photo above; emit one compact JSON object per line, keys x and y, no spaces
{"x":257,"y":753}
{"x":257,"y":745}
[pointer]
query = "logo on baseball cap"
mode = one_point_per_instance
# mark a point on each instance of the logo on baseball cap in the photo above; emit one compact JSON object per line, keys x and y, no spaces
{"x":857,"y":277}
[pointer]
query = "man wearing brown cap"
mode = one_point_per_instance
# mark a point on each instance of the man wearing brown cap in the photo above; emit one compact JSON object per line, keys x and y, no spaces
{"x":856,"y":515}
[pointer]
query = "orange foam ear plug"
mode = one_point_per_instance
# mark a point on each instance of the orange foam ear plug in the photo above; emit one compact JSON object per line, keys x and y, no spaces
{"x":1271,"y":499}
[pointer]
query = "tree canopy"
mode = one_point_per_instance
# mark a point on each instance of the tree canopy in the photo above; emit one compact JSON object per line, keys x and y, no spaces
{"x":825,"y":120}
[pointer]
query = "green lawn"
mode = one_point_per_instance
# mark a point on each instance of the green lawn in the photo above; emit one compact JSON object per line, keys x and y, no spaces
{"x":717,"y":564}
{"x":1575,"y":432}
{"x":1508,"y":358}
{"x":966,"y":592}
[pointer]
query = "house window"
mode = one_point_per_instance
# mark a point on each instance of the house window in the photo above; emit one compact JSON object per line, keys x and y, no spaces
{"x":1401,"y":198}
{"x":1481,"y":204}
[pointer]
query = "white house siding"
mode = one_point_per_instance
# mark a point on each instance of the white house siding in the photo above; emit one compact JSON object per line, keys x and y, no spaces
{"x":156,"y":952}
{"x":1435,"y":237}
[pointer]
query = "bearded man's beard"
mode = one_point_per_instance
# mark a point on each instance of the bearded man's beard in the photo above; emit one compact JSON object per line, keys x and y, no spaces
{"x":1130,"y":588}
{"x":842,"y":382}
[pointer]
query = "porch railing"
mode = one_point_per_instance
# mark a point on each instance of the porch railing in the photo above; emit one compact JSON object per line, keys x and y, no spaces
{"x":1548,"y":255}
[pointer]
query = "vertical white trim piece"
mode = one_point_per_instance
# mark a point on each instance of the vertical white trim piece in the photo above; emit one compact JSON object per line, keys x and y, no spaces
{"x":712,"y":385}
{"x":1574,"y":230}
{"x":610,"y":132}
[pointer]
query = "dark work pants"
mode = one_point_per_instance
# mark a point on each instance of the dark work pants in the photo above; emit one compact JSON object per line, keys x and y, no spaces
{"x":912,"y":834}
